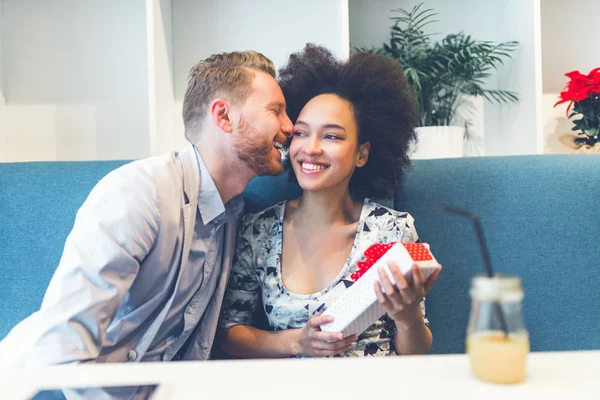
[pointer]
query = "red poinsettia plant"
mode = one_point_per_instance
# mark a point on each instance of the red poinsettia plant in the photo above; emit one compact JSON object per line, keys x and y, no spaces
{"x":583,"y":93}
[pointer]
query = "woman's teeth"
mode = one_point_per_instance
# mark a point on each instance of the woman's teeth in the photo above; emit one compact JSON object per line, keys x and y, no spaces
{"x":313,"y":167}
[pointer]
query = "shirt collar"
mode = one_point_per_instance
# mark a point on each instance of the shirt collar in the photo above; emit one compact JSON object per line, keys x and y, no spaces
{"x":210,"y":204}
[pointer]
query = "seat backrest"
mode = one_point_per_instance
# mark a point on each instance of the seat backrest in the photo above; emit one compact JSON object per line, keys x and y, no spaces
{"x":540,"y":221}
{"x":538,"y":215}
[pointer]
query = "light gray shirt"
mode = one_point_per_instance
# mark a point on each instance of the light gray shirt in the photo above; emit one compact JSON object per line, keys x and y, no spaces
{"x":199,"y":280}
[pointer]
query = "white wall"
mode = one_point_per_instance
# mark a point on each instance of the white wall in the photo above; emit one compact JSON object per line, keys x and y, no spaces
{"x":276,"y":29}
{"x":370,"y":23}
{"x":87,"y":61}
{"x":160,"y":77}
{"x":570,"y":33}
{"x":493,"y":20}
{"x":520,"y":130}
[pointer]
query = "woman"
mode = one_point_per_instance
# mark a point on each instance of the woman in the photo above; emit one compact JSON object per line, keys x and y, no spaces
{"x":354,"y":124}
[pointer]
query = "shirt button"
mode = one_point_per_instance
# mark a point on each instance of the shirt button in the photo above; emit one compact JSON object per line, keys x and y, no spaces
{"x":131,"y":355}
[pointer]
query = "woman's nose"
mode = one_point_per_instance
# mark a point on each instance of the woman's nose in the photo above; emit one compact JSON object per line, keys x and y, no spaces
{"x":312,"y":146}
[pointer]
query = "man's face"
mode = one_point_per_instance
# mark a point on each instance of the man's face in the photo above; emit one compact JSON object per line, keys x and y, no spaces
{"x":262,"y":127}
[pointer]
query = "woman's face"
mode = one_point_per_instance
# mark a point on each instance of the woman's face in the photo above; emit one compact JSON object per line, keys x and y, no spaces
{"x":324,"y":151}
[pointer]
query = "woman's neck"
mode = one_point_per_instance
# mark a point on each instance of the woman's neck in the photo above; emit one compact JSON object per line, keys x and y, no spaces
{"x":327,"y":208}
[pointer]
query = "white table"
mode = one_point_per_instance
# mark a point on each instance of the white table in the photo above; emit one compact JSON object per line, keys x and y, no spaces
{"x":561,"y":375}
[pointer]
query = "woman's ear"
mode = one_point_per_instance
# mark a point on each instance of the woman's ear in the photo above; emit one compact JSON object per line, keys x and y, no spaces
{"x":220,"y":113}
{"x":363,"y":154}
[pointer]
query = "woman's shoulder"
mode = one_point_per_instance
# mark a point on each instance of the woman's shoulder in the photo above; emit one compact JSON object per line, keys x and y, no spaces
{"x":266,"y":216}
{"x":376,"y":211}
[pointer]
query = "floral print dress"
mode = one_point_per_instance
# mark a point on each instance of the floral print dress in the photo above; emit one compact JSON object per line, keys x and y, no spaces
{"x":256,"y":275}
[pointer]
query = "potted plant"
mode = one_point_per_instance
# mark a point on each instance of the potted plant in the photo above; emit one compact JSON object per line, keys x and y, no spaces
{"x":583,"y":93}
{"x":443,"y":74}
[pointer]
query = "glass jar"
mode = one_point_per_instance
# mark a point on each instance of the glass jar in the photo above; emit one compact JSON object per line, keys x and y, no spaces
{"x":497,"y":339}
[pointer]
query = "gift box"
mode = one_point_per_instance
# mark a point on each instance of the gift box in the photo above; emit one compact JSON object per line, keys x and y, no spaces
{"x":358,"y":308}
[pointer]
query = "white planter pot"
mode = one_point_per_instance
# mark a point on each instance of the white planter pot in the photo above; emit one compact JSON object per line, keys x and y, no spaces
{"x":439,"y":142}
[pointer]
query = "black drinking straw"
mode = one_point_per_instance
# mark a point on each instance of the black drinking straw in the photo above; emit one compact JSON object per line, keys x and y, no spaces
{"x":484,"y":251}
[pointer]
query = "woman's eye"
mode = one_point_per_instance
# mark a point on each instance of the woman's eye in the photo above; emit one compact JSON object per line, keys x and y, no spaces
{"x":298,"y":133}
{"x":331,"y":137}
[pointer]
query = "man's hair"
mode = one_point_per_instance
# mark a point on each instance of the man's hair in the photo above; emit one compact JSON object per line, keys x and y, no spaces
{"x":384,"y":107}
{"x":228,"y":74}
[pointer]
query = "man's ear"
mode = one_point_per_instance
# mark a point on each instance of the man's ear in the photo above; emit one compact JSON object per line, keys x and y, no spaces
{"x":220,"y":113}
{"x":363,"y":154}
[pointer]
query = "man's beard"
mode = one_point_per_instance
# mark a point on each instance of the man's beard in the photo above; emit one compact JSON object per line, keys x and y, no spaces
{"x":255,"y":151}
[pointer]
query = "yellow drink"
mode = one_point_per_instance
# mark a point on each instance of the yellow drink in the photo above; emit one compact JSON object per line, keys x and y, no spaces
{"x":496,"y":358}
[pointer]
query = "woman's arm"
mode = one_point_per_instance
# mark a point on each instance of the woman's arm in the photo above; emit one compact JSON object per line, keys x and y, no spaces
{"x":249,"y":342}
{"x":402,"y":301}
{"x":412,"y":337}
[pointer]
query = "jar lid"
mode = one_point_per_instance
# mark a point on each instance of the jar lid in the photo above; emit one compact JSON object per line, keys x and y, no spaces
{"x":497,"y":288}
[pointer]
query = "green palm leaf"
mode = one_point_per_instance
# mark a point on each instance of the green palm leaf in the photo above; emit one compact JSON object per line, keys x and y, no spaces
{"x":443,"y":72}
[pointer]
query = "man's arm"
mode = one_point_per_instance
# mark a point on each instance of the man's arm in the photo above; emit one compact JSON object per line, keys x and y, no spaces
{"x":113,"y":232}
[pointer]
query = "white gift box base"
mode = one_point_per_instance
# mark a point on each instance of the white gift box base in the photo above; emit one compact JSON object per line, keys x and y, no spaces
{"x":358,"y":308}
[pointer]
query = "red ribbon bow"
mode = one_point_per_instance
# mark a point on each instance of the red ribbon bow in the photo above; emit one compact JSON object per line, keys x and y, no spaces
{"x":417,"y":251}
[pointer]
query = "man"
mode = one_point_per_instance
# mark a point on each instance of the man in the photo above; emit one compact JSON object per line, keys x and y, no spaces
{"x":144,"y":269}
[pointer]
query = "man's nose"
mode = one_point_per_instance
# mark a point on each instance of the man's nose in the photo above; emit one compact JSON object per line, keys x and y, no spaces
{"x":287,"y":127}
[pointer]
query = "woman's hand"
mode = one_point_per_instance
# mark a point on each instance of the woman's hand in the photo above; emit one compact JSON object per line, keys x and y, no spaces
{"x":316,"y":343}
{"x":402,"y":300}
